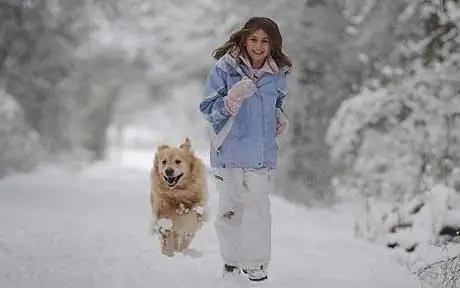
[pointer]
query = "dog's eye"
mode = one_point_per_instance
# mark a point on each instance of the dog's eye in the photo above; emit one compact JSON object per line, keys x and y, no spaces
{"x":163,"y":162}
{"x":178,"y":161}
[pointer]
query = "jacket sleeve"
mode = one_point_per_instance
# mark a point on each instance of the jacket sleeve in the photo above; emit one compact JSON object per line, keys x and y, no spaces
{"x":281,"y":90}
{"x":213,"y":105}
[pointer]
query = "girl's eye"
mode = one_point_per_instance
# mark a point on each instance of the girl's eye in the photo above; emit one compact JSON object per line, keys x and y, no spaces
{"x":178,"y":161}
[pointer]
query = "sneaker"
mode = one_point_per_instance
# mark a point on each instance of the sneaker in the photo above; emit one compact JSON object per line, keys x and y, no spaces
{"x":257,"y":274}
{"x":230,"y":270}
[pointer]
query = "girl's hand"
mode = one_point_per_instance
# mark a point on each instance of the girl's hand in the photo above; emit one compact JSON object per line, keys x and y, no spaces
{"x":282,"y":123}
{"x":238,"y":93}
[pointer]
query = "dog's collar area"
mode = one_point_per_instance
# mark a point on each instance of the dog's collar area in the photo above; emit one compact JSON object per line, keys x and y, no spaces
{"x":172,"y":181}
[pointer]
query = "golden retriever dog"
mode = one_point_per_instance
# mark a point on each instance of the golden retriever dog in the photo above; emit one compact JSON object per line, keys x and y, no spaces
{"x":178,"y":196}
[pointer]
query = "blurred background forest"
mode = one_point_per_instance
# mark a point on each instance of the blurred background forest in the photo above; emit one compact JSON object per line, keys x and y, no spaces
{"x":374,"y":98}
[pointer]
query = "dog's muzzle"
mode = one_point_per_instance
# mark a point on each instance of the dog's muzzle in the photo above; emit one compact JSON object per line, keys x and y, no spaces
{"x":171,"y":179}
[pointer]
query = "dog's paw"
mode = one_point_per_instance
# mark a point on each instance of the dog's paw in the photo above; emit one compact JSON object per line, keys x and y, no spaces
{"x":163,"y":226}
{"x":182,"y":210}
{"x":199,"y":210}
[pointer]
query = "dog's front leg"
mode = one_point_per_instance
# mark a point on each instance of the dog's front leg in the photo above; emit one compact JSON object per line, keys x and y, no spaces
{"x":185,"y":240}
{"x":163,"y":227}
{"x":168,"y":245}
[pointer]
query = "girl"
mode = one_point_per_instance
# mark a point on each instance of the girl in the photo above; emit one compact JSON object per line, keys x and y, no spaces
{"x":243,"y":103}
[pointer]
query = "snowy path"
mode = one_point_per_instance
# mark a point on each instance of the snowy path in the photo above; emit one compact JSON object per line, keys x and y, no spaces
{"x":90,"y":229}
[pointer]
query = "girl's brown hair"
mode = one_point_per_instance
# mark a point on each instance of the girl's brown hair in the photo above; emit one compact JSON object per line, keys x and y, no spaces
{"x":238,"y":38}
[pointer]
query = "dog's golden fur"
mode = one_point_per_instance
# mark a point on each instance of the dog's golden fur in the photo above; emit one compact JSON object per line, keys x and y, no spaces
{"x":182,"y":203}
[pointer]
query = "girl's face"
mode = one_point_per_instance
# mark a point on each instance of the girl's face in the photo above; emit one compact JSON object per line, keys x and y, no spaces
{"x":258,"y":47}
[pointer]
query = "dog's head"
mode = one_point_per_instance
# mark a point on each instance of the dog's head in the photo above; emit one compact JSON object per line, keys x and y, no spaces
{"x":174,"y":165}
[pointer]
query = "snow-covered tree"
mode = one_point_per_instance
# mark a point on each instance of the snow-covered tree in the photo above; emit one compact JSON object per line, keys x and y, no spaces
{"x":67,"y":63}
{"x":161,"y":46}
{"x":36,"y":55}
{"x":174,"y":38}
{"x":20,"y":147}
{"x":406,"y":127}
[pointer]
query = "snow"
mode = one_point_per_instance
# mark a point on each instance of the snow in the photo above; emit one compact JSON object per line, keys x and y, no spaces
{"x":90,"y":228}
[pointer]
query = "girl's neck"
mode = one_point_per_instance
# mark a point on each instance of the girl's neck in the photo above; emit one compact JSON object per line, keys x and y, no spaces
{"x":257,"y":64}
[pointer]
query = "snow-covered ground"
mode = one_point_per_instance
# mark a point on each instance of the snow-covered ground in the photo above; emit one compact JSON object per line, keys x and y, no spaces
{"x":89,"y":228}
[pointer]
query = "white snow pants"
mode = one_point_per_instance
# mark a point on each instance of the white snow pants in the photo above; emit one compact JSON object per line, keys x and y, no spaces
{"x":243,"y":221}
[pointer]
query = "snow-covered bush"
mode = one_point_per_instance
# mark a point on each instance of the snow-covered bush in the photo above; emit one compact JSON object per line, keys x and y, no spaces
{"x":394,"y":141}
{"x":20,"y":149}
{"x":394,"y":145}
{"x":430,"y":218}
{"x":397,"y":147}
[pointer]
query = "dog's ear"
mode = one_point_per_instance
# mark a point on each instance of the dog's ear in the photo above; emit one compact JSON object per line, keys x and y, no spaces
{"x":161,"y":147}
{"x":187,"y":145}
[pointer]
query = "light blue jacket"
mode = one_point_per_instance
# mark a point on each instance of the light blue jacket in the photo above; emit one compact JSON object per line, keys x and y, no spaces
{"x":247,"y":140}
